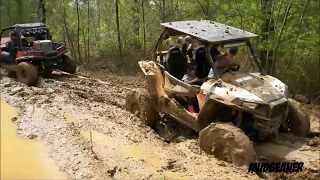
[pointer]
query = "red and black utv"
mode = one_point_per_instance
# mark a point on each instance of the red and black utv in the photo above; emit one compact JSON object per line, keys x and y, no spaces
{"x":34,"y":53}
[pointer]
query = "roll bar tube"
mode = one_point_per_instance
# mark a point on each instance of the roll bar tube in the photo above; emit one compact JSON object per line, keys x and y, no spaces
{"x":209,"y":57}
{"x":155,"y":47}
{"x":255,"y":58}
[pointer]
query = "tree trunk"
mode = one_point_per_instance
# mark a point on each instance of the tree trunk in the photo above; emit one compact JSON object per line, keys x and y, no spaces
{"x":8,"y":10}
{"x":144,"y":30}
{"x":297,"y":34}
{"x":64,"y":17}
{"x":136,"y":24}
{"x":280,"y":35}
{"x":267,"y":27}
{"x":163,"y":10}
{"x":78,"y":34}
{"x":42,"y":10}
{"x":205,"y":12}
{"x":19,"y":16}
{"x":88,"y":33}
{"x":118,"y":32}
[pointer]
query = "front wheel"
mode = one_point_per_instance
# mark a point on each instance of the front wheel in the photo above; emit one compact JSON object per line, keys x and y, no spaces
{"x":227,"y":142}
{"x":69,"y":64}
{"x":298,"y":123}
{"x":27,"y":73}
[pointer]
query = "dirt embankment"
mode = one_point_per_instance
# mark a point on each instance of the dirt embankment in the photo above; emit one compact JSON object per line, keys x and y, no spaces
{"x":91,"y":136}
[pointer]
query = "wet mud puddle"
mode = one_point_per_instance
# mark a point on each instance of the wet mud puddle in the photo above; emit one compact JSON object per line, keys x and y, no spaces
{"x":137,"y":152}
{"x":22,"y":158}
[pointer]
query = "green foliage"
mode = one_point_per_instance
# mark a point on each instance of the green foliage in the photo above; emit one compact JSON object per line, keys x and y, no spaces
{"x":296,"y":61}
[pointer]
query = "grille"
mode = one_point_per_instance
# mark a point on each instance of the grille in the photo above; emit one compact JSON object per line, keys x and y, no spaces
{"x":278,"y":109}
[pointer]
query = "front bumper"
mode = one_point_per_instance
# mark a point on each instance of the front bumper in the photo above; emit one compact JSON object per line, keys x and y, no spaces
{"x":276,"y":115}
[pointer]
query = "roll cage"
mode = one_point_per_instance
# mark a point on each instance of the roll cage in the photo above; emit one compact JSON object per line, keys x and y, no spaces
{"x":208,"y":33}
{"x":27,"y":30}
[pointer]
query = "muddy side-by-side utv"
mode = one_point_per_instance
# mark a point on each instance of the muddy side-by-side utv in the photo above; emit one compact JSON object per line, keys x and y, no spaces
{"x":233,"y":108}
{"x":35,"y":53}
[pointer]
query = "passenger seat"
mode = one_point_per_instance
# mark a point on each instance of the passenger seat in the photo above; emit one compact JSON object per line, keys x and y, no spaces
{"x":175,"y":62}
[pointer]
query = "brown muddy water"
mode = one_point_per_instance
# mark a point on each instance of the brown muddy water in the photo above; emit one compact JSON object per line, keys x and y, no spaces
{"x":136,"y":152}
{"x":22,"y":158}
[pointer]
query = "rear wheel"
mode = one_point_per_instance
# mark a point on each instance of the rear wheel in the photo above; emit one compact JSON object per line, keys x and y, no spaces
{"x":47,"y":72}
{"x":27,"y":73}
{"x":138,"y":102}
{"x":227,"y":142}
{"x":69,"y":64}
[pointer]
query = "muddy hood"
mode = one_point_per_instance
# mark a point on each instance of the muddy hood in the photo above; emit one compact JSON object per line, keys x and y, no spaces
{"x":250,"y":87}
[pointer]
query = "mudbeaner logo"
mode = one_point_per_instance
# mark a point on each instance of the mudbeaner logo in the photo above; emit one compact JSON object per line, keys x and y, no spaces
{"x":276,"y":167}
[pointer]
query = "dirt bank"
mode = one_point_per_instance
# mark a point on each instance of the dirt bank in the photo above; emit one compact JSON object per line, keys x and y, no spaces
{"x":67,"y":114}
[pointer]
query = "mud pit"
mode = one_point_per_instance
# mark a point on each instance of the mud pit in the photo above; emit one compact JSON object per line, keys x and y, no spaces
{"x":92,"y":137}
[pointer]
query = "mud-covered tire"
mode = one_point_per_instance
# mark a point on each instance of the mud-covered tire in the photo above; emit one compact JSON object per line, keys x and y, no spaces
{"x":138,"y":102}
{"x":69,"y":64}
{"x":298,"y":121}
{"x":227,"y":142}
{"x":27,"y":73}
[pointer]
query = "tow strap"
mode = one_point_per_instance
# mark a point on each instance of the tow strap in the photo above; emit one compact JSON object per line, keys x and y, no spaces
{"x":217,"y":84}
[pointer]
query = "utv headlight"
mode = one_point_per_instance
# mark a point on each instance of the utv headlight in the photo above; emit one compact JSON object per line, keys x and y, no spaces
{"x":250,"y":105}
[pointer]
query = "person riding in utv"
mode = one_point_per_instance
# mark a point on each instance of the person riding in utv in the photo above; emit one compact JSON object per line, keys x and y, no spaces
{"x":13,"y":42}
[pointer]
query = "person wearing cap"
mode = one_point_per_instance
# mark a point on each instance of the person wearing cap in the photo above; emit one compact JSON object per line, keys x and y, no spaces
{"x":182,"y":45}
{"x":169,"y":42}
{"x":189,"y":40}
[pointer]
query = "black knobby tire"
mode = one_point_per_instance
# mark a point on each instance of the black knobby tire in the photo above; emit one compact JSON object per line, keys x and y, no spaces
{"x":47,"y":72}
{"x":69,"y":64}
{"x":299,"y":122}
{"x":139,"y":103}
{"x":227,"y":142}
{"x":27,"y":73}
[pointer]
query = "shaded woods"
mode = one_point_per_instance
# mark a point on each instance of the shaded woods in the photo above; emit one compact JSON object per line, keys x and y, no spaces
{"x":115,"y":34}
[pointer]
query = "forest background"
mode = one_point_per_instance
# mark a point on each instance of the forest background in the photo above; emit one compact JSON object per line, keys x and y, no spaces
{"x":114,"y":35}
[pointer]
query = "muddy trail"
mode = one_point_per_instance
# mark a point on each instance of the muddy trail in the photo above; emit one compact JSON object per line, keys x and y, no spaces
{"x":91,"y":136}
